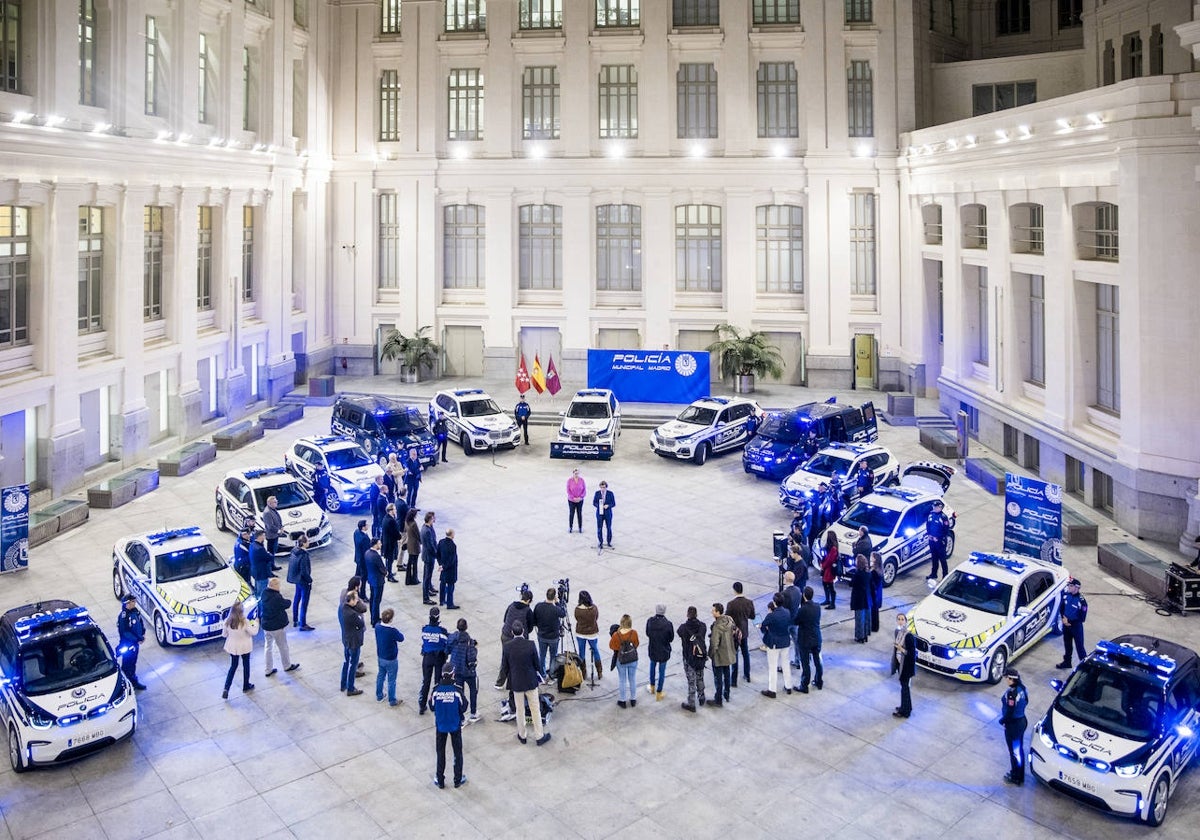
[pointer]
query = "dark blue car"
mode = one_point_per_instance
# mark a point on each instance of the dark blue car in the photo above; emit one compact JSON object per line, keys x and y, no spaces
{"x":778,"y":448}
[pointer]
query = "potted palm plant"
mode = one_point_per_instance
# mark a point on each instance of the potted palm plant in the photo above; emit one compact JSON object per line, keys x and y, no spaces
{"x":743,"y":355}
{"x":417,"y":352}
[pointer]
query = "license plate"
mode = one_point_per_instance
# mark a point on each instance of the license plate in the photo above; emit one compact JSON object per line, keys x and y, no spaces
{"x":758,"y":468}
{"x":84,"y":739}
{"x":925,"y":657}
{"x":1076,"y":782}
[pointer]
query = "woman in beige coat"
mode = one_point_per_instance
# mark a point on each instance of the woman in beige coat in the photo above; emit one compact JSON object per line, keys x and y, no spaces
{"x":239,"y":633}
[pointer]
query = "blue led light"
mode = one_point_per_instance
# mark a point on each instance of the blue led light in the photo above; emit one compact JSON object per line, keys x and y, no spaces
{"x":161,"y":537}
{"x":259,"y":473}
{"x":1004,"y":562}
{"x":464,"y":391}
{"x":26,"y":626}
{"x":1147,"y":659}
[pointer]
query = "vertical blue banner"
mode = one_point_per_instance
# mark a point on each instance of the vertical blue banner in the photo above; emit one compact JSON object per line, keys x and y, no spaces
{"x":654,"y":376}
{"x":14,"y":528}
{"x":1033,"y":518}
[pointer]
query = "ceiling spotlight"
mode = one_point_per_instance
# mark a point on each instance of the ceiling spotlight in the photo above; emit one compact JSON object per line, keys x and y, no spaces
{"x":461,"y":152}
{"x":215,"y":141}
{"x":1001,"y":135}
{"x":1095,"y":120}
{"x":1064,"y":124}
{"x":1025,"y":131}
{"x":970,"y":141}
{"x":864,"y":150}
{"x":183,"y":138}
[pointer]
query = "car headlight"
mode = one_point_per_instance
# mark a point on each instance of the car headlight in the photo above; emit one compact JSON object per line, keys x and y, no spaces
{"x":1127,"y":771}
{"x":38,"y":719}
{"x":324,"y":521}
{"x":970,"y":653}
{"x":1046,"y":739}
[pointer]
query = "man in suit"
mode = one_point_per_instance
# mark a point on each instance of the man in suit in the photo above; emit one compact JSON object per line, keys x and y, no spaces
{"x":362,"y":542}
{"x":261,"y":562}
{"x":376,"y":575}
{"x":273,"y":526}
{"x":906,"y":659}
{"x":447,"y":554}
{"x":379,"y":510}
{"x":519,"y":664}
{"x":389,"y":536}
{"x":412,"y":477}
{"x":808,"y":640}
{"x":604,"y":501}
{"x":429,"y":544}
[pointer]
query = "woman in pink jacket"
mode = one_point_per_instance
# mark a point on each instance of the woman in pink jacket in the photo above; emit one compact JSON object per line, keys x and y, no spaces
{"x":576,"y":490}
{"x":239,"y":633}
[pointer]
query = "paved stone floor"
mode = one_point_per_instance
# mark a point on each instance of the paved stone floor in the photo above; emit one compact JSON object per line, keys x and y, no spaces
{"x":296,"y":758}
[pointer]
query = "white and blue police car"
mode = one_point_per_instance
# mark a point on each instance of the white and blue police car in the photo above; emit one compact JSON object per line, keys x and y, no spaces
{"x":709,"y":426}
{"x":351,"y":470}
{"x":841,"y":461}
{"x":473,"y":420}
{"x":1123,"y":727}
{"x":590,"y":426}
{"x":242,"y":495}
{"x":61,"y":690}
{"x":182,"y":584}
{"x":985,"y":613}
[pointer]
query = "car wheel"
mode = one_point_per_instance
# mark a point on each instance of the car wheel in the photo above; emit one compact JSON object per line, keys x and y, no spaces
{"x":118,"y":587}
{"x":465,"y":443}
{"x":701,"y":454}
{"x":14,"y":751}
{"x":998,"y":666}
{"x":1157,"y":812}
{"x":222,"y":525}
{"x":949,"y":545}
{"x":332,"y":503}
{"x":160,"y":630}
{"x":890,"y":569}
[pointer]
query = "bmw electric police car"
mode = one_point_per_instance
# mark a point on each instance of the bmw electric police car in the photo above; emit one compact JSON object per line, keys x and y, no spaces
{"x":1123,"y":728}
{"x":590,"y":426}
{"x":351,"y":470}
{"x":182,"y":584}
{"x":62,"y":693}
{"x":987,"y":612}
{"x":709,"y":426}
{"x":842,"y":460}
{"x":895,"y":518}
{"x":474,"y":420}
{"x":778,"y":448}
{"x":242,"y":498}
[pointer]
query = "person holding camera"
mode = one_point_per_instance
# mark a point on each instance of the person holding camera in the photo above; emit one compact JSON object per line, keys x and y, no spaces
{"x":547,"y":617}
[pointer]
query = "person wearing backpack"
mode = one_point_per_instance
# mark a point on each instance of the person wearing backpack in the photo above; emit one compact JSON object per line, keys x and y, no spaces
{"x":695,"y":655}
{"x":464,"y":657}
{"x":1073,"y":614}
{"x":624,"y":643}
{"x":722,"y":647}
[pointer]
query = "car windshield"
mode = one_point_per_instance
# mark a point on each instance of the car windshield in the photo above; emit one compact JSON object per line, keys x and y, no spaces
{"x":398,"y":423}
{"x":287,"y":495}
{"x":697,"y":415}
{"x":880,"y":521}
{"x":826,"y":465}
{"x":479,"y":408}
{"x":588,"y":411}
{"x":187,"y":563}
{"x":348,"y":458}
{"x":58,"y":663}
{"x":1112,"y":700}
{"x":785,"y":428}
{"x":978,"y":593}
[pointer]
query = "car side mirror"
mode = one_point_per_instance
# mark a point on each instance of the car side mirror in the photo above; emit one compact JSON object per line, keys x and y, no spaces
{"x":562,"y":414}
{"x":1057,"y":685}
{"x":1022,"y":611}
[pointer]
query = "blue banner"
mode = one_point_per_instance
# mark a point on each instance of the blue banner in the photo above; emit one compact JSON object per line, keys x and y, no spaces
{"x":14,"y":528}
{"x":657,"y":376}
{"x":1033,"y":518}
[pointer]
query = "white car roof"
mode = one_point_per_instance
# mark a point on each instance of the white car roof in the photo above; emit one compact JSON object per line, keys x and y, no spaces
{"x":851,"y":450}
{"x":263,"y":476}
{"x":722,"y":402}
{"x":1006,"y":567}
{"x":897,"y":498}
{"x":592,"y":395}
{"x":328,"y":443}
{"x":163,"y":542}
{"x":460,"y":394}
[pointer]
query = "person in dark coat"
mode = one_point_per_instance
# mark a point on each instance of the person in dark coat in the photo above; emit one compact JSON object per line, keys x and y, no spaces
{"x":261,"y":563}
{"x":741,"y":610}
{"x":862,"y":543}
{"x":241,"y":555}
{"x":793,"y":595}
{"x":376,"y":575}
{"x":660,"y":633}
{"x":379,"y":510}
{"x":876,"y":589}
{"x":519,"y":611}
{"x":320,"y":486}
{"x":389,"y":537}
{"x":1012,"y":718}
{"x":441,"y":434}
{"x":412,"y":477}
{"x":860,"y":599}
{"x":448,"y":562}
{"x":353,"y":630}
{"x":519,"y":665}
{"x":777,"y":637}
{"x":429,"y":542}
{"x":694,"y":649}
{"x":829,"y":564}
{"x":449,"y":706}
{"x":373,"y":498}
{"x":362,"y":542}
{"x":299,"y":575}
{"x":131,"y":630}
{"x":906,"y":661}
{"x":273,"y":609}
{"x":604,"y":501}
{"x":412,"y":544}
{"x":434,"y":650}
{"x":464,"y":659}
{"x":808,"y":637}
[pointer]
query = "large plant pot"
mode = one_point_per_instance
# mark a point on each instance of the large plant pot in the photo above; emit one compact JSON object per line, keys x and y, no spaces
{"x":409,"y":375}
{"x":743,"y":384}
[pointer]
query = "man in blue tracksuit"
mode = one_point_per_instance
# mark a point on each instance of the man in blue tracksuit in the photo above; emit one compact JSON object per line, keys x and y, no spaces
{"x":937,"y":528}
{"x":435,"y":644}
{"x":1012,"y":718}
{"x":131,"y":631}
{"x":449,"y":706}
{"x":261,"y":563}
{"x":1074,"y":613}
{"x":412,"y":478}
{"x":521,"y":414}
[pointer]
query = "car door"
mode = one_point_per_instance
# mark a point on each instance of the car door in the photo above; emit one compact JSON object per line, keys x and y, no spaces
{"x":912,"y":541}
{"x":243,"y":513}
{"x":1033,"y":607}
{"x":878,"y":464}
{"x":726,"y":431}
{"x":137,"y":573}
{"x":1185,"y":695}
{"x":306,"y":464}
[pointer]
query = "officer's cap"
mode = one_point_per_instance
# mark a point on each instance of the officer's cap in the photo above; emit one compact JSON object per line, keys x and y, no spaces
{"x":129,"y":599}
{"x":1073,"y":582}
{"x":939,"y":503}
{"x":1013,"y":673}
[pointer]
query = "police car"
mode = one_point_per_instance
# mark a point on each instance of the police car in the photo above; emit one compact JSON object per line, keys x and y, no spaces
{"x":383,"y":427}
{"x":182,"y":584}
{"x":985,"y":613}
{"x":778,"y":448}
{"x":1123,"y":728}
{"x":895,"y":518}
{"x":242,"y":497}
{"x":842,"y":460}
{"x":474,"y":420}
{"x":590,"y":426}
{"x":351,"y":470}
{"x":709,"y":426}
{"x":62,"y":692}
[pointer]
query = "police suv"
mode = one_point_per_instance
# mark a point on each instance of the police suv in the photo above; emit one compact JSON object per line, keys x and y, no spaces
{"x":474,"y":420}
{"x":242,"y":497}
{"x":895,"y":518}
{"x":182,"y":584}
{"x":709,"y":426}
{"x":985,"y":613}
{"x":840,"y":460}
{"x":383,"y":427}
{"x":590,"y":426}
{"x":778,"y":448}
{"x":1123,"y":728}
{"x":351,"y":470}
{"x":61,"y":690}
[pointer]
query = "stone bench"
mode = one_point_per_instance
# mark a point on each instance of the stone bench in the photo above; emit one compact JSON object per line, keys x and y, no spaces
{"x":123,"y":489}
{"x":237,"y":435}
{"x":988,"y":474}
{"x":187,"y":458}
{"x":1139,"y":568}
{"x":941,"y":442}
{"x":48,"y":522}
{"x":281,"y":415}
{"x":901,"y":405}
{"x":1078,"y":531}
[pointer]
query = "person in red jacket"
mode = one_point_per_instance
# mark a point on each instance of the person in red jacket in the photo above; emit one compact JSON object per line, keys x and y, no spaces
{"x":829,"y":562}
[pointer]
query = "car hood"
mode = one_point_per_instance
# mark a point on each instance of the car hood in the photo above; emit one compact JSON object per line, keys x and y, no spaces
{"x":300,"y":517}
{"x":678,"y":429}
{"x":362,"y":476}
{"x":584,"y":424}
{"x":942,"y":622}
{"x":78,"y":699}
{"x":418,"y":437}
{"x":213,"y":592}
{"x":803,"y":482}
{"x":1088,"y":741}
{"x":763,"y":446}
{"x":489,"y":422}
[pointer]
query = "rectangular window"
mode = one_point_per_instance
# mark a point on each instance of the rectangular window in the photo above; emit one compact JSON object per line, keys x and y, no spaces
{"x":87,"y":52}
{"x":862,"y":243}
{"x":204,"y":259}
{"x":1156,"y":50}
{"x":248,"y":263}
{"x":982,"y":348}
{"x":389,"y":105}
{"x":1074,"y":477}
{"x":1107,"y":233}
{"x":541,"y":249}
{"x":780,"y":243}
{"x":695,"y":13}
{"x":860,"y":99}
{"x":1037,"y":329}
{"x":466,"y":15}
{"x":541,"y":14}
{"x":698,"y":248}
{"x":203,"y":105}
{"x":463,"y":247}
{"x":767,"y":12}
{"x":539,"y":101}
{"x":618,"y":101}
{"x":152,"y":270}
{"x":1109,"y":64}
{"x":389,"y":17}
{"x":619,"y":248}
{"x":300,"y":13}
{"x":389,"y":241}
{"x":1108,"y":348}
{"x":1029,"y":231}
{"x":696,"y":100}
{"x":1131,"y":56}
{"x":942,"y":17}
{"x":151,"y":69}
{"x":1102,"y":491}
{"x":14,"y":276}
{"x":859,"y":11}
{"x":618,"y":13}
{"x":10,"y":46}
{"x":465,"y":97}
{"x":1012,"y":17}
{"x":91,"y":269}
{"x":1070,"y":13}
{"x":778,"y":105}
{"x":247,"y":90}
{"x":931,"y":217}
{"x":987,"y":99}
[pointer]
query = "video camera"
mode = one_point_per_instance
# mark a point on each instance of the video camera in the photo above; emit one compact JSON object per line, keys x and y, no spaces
{"x":564,"y":590}
{"x":522,"y":589}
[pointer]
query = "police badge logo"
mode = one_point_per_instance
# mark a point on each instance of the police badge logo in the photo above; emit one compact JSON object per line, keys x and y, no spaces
{"x":295,"y":514}
{"x":954,"y":616}
{"x":204,"y":585}
{"x":685,"y":364}
{"x":1052,"y":551}
{"x":16,"y":500}
{"x":1013,"y":509}
{"x":1090,"y":734}
{"x":1054,"y":494}
{"x":79,"y":692}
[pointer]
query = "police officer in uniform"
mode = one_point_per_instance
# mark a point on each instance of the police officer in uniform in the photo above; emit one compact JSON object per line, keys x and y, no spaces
{"x":241,"y":554}
{"x":1074,"y":613}
{"x":937,"y":528}
{"x":1012,"y":718}
{"x":442,"y":434}
{"x":435,"y":643}
{"x":449,"y":707}
{"x":864,"y":480}
{"x":131,"y":631}
{"x":320,"y":484}
{"x":811,"y":445}
{"x":521,"y":413}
